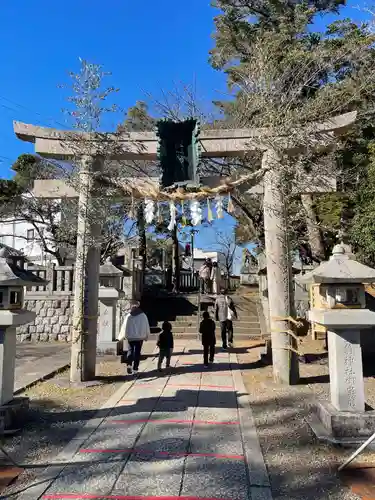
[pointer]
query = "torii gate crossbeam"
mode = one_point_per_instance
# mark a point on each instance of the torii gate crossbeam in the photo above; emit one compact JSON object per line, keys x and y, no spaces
{"x":59,"y":144}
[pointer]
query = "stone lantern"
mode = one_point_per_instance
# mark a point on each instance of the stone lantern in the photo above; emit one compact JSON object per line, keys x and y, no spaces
{"x":13,"y":279}
{"x":109,"y":318}
{"x":339,"y":306}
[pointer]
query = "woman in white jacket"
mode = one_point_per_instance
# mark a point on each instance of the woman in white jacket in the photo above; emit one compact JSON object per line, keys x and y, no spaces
{"x":134,"y":331}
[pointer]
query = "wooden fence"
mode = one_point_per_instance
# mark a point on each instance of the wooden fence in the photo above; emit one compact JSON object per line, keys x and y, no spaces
{"x":188,"y":281}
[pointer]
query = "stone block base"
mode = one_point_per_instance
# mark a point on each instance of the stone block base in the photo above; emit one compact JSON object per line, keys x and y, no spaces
{"x":340,"y":427}
{"x":266,"y":353}
{"x":14,"y":414}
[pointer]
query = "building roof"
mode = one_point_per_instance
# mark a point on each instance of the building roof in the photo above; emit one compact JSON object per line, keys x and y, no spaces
{"x":204,"y":254}
{"x":12,"y":252}
{"x":13,"y":275}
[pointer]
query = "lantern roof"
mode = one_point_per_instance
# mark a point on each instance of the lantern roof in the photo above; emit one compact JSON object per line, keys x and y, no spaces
{"x":13,"y":275}
{"x":340,"y":268}
{"x":108,"y":269}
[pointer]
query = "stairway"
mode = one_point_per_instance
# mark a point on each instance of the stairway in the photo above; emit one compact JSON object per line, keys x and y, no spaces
{"x":182,"y":310}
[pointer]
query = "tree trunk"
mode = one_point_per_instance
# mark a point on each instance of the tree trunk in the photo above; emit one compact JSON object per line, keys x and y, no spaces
{"x":176,"y":258}
{"x":142,"y":238}
{"x":313,"y":231}
{"x":60,"y":260}
{"x":279,"y":277}
{"x":86,"y":286}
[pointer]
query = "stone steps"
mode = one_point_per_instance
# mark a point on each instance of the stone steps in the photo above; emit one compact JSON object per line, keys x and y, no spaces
{"x":181,"y":312}
{"x":193,"y":321}
{"x":192,"y":329}
{"x":240,"y":328}
{"x":194,"y":335}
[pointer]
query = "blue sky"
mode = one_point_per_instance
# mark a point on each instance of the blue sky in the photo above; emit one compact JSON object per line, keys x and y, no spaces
{"x":148,"y":46}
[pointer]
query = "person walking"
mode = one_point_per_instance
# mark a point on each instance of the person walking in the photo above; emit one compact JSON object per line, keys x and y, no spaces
{"x":207,"y":331}
{"x":135,"y":330}
{"x":215,"y":278}
{"x":225,"y":312}
{"x":165,"y":344}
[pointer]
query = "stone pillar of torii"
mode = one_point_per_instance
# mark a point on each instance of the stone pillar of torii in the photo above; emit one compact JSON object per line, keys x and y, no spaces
{"x":61,"y":145}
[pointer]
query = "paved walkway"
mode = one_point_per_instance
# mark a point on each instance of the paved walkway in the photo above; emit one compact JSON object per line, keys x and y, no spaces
{"x":189,"y":434}
{"x":35,"y":362}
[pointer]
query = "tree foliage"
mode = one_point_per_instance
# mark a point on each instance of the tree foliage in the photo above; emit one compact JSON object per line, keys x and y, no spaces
{"x":362,"y":230}
{"x":226,"y":246}
{"x":138,"y":119}
{"x":283,"y":75}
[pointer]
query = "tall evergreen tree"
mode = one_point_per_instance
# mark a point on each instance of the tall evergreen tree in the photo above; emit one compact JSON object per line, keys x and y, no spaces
{"x":362,"y":231}
{"x":284,"y":74}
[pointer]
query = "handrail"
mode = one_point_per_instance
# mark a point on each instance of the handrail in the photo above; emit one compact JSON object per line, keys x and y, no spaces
{"x":199,"y":307}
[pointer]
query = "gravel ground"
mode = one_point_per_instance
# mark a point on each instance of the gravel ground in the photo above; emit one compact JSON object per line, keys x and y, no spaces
{"x":56,"y":413}
{"x":299,"y":466}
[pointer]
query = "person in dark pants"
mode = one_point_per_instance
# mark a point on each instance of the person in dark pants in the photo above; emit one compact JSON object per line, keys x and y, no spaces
{"x":207,"y":330}
{"x":134,"y":331}
{"x":225,"y":312}
{"x":165,"y":344}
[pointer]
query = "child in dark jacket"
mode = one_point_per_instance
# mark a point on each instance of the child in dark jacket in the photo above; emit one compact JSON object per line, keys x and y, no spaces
{"x":207,"y":330}
{"x":165,"y":344}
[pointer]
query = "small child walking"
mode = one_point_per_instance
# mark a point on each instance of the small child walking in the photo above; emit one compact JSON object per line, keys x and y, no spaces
{"x":207,"y":330}
{"x":165,"y":344}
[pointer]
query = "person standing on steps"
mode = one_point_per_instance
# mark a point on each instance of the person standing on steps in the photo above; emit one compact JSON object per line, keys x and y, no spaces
{"x":215,"y":278}
{"x":205,"y":276}
{"x":207,"y":331}
{"x":135,"y":330}
{"x":225,"y":312}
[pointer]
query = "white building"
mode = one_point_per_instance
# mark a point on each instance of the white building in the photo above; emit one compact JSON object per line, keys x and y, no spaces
{"x":25,"y":238}
{"x":201,"y":255}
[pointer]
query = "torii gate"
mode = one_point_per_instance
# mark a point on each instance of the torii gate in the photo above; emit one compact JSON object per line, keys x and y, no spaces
{"x":56,"y":144}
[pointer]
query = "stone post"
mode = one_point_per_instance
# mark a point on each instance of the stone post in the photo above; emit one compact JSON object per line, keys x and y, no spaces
{"x":49,"y":276}
{"x":345,"y":370}
{"x":108,"y":326}
{"x":86,"y":286}
{"x":109,"y":294}
{"x":8,"y":339}
{"x":279,"y":278}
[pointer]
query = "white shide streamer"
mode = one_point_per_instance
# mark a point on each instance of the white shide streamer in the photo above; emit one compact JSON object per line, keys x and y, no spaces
{"x":219,"y":206}
{"x":196,"y":212}
{"x":149,"y":211}
{"x":173,"y":212}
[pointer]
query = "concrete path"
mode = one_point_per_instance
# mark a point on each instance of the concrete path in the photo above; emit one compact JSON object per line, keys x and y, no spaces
{"x":188,"y":433}
{"x":35,"y":362}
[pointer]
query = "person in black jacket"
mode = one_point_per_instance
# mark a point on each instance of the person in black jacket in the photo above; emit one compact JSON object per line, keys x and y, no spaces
{"x":165,"y":344}
{"x":207,"y":330}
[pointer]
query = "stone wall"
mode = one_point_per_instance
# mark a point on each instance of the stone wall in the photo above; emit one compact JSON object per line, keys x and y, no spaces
{"x":53,"y":304}
{"x":52,"y":322}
